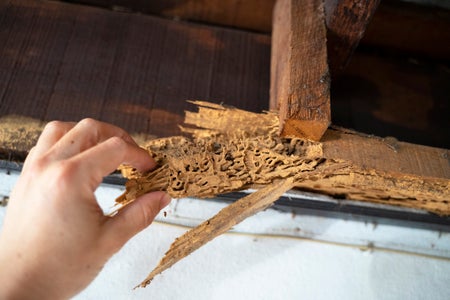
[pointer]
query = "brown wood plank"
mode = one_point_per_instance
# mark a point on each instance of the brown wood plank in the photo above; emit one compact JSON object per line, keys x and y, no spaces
{"x":346,"y":22}
{"x":299,"y":70}
{"x":386,"y":154}
{"x":250,"y":14}
{"x":395,"y":25}
{"x":67,"y":62}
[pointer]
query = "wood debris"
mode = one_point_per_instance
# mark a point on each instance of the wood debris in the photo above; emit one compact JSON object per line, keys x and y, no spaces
{"x":232,"y":149}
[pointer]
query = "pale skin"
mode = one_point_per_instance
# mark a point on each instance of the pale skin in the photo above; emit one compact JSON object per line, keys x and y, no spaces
{"x":55,"y":239}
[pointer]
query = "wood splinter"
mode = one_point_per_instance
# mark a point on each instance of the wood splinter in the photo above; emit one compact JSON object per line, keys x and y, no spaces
{"x":222,"y":222}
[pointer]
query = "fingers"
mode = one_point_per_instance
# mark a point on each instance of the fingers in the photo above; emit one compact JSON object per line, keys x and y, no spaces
{"x":86,"y":134}
{"x":132,"y":219}
{"x":51,"y":134}
{"x":105,"y":157}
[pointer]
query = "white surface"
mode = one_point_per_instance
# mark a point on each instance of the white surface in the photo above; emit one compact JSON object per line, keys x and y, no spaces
{"x":333,"y":263}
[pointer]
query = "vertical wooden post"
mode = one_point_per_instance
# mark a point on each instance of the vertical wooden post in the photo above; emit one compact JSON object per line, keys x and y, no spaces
{"x":300,"y":81}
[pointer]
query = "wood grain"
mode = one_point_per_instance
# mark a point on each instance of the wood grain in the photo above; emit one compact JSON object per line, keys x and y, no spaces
{"x":300,"y":82}
{"x":255,"y":15}
{"x":67,"y":62}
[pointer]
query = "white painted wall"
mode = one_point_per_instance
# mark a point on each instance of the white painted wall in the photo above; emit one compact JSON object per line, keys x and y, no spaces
{"x":268,"y":257}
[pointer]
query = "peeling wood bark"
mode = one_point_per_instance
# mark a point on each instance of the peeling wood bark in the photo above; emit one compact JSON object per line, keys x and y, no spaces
{"x":300,"y":84}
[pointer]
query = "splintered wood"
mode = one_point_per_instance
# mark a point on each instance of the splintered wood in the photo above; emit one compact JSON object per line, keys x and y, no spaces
{"x":232,"y":149}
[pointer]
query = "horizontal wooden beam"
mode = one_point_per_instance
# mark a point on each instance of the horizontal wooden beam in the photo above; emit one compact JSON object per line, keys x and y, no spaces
{"x":18,"y":135}
{"x":69,"y":61}
{"x":386,"y":153}
{"x":255,"y":15}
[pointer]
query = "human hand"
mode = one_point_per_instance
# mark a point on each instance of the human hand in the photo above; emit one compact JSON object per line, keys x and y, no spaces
{"x":55,"y":238}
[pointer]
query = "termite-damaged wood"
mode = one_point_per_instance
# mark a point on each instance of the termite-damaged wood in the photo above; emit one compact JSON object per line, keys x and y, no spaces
{"x":233,"y":149}
{"x":18,"y":135}
{"x":300,"y":85}
{"x":220,"y":223}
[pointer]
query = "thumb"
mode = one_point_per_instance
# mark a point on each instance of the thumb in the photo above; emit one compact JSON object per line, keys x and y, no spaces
{"x":133,"y":218}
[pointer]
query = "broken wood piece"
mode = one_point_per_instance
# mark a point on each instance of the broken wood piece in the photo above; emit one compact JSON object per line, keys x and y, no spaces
{"x":300,"y":81}
{"x":346,"y":22}
{"x":222,"y":158}
{"x":223,"y":221}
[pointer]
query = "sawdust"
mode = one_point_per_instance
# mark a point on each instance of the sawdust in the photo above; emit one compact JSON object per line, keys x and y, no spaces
{"x":18,"y":134}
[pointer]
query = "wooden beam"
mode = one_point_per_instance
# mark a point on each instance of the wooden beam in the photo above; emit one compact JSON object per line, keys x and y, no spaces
{"x":299,"y":83}
{"x":346,"y":22}
{"x":133,"y":70}
{"x":386,"y":154}
{"x":255,"y":15}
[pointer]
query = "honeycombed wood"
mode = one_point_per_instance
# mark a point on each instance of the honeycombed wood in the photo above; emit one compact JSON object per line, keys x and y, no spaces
{"x":221,"y":158}
{"x":300,"y":82}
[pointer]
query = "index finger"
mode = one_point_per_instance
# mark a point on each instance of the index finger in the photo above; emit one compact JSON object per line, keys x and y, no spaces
{"x":105,"y":157}
{"x":86,"y":134}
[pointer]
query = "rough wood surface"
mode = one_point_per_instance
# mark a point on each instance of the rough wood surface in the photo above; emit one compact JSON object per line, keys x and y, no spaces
{"x":223,"y":221}
{"x":64,"y":61}
{"x":386,"y":154}
{"x":221,"y":158}
{"x":346,"y":22}
{"x":250,"y":14}
{"x":418,"y":29}
{"x":160,"y":63}
{"x":299,"y":83}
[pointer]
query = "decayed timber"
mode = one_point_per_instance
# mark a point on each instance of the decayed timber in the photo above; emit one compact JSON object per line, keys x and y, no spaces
{"x":300,"y":84}
{"x":346,"y":22}
{"x":240,"y":149}
{"x":220,"y":223}
{"x":222,"y":158}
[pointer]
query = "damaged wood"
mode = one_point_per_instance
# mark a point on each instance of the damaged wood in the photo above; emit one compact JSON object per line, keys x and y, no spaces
{"x":222,"y":158}
{"x":222,"y":222}
{"x":300,"y":83}
{"x":233,"y":149}
{"x":18,"y":134}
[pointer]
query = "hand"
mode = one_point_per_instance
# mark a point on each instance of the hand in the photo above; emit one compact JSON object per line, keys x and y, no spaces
{"x":55,"y":238}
